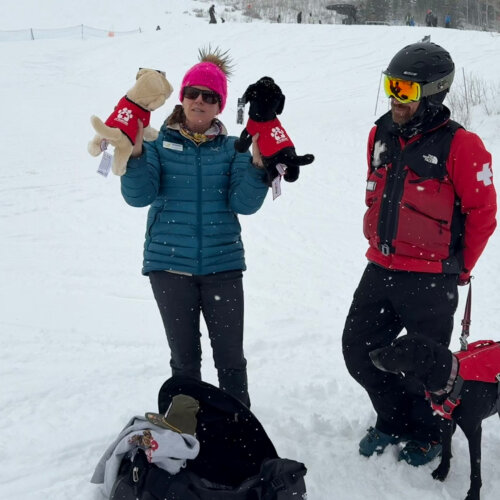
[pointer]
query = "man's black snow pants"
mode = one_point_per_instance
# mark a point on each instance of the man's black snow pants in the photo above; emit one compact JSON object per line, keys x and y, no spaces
{"x":219,"y":296}
{"x":385,"y":303}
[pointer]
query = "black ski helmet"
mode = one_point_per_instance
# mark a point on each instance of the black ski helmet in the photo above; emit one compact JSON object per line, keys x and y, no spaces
{"x":426,"y":63}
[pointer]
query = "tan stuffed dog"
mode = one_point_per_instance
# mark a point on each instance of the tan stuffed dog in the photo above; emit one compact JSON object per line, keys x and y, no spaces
{"x":150,"y":91}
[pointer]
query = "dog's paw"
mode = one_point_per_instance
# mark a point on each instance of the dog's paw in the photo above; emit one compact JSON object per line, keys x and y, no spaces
{"x":441,"y":472}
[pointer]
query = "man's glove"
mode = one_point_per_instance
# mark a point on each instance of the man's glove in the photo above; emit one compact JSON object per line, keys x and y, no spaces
{"x":464,"y":278}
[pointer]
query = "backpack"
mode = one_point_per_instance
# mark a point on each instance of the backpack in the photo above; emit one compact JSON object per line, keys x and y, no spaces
{"x":237,"y":460}
{"x":278,"y":479}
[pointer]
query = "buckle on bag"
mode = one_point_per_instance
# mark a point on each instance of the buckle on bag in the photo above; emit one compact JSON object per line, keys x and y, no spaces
{"x":278,"y":484}
{"x":135,"y":474}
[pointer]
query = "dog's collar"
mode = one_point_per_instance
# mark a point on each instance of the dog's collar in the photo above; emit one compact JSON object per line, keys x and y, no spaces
{"x":451,"y":380}
{"x":453,"y":391}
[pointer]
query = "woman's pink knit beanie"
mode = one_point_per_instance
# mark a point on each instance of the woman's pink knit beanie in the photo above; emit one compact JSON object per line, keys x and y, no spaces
{"x":206,"y":74}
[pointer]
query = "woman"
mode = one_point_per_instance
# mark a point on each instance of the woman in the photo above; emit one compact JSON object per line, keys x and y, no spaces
{"x":196,"y":184}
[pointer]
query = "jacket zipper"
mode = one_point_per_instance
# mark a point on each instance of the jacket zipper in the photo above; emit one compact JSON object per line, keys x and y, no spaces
{"x":411,"y":207}
{"x":389,"y":210}
{"x":199,"y":207}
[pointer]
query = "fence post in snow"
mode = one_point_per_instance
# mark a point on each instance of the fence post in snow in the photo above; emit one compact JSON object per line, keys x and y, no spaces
{"x":378,"y":93}
{"x":465,"y":92}
{"x":32,"y":36}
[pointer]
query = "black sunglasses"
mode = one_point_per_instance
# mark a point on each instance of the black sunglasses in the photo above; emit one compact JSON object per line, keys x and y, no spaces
{"x":207,"y":95}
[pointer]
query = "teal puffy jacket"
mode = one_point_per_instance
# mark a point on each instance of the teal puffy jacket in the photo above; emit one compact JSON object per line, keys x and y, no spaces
{"x":195,"y":193}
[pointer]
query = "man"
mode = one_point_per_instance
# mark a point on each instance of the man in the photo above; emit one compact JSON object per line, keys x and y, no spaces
{"x":431,"y":209}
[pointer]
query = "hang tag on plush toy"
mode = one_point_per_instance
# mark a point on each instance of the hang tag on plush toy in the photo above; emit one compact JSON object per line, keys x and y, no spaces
{"x":240,"y":111}
{"x":106,"y":160}
{"x":276,"y":184}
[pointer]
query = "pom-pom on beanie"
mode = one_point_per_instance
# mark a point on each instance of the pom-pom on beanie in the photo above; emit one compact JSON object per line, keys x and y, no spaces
{"x":212,"y":72}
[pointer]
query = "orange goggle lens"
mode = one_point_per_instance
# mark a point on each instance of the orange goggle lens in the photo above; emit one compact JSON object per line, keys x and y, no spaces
{"x":402,"y":90}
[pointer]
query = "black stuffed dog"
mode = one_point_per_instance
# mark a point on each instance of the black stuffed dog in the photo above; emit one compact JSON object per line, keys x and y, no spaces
{"x":462,"y":388}
{"x":266,"y":102}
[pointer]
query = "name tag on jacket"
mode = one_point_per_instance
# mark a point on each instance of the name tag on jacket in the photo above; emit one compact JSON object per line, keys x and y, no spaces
{"x":172,"y":145}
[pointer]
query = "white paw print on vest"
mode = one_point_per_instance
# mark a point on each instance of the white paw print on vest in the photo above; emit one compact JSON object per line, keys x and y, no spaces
{"x":124,"y":115}
{"x":278,"y":134}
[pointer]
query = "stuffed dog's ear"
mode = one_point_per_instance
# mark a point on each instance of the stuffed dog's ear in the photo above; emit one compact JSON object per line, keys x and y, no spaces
{"x":281,"y":105}
{"x":141,"y":72}
{"x":247,"y":96}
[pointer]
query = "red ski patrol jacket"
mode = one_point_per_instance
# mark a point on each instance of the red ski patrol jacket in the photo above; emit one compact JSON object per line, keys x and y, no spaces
{"x":431,"y":199}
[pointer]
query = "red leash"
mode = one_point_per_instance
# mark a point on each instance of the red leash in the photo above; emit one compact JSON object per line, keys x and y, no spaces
{"x":466,"y":321}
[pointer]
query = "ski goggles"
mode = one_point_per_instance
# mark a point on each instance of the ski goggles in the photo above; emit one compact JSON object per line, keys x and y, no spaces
{"x":403,"y":90}
{"x":207,"y":95}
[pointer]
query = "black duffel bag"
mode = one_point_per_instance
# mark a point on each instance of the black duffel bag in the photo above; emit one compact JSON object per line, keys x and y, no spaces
{"x":278,"y":479}
{"x":237,"y":460}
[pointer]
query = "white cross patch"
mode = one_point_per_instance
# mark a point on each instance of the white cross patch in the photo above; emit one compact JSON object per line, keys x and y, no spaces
{"x":485,"y":175}
{"x":378,"y":149}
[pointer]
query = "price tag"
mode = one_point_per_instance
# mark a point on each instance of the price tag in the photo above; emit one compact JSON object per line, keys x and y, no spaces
{"x":105,"y":165}
{"x":240,"y":112}
{"x":276,"y":186}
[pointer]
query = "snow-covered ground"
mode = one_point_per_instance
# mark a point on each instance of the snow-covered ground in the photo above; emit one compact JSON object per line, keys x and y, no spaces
{"x":83,"y":347}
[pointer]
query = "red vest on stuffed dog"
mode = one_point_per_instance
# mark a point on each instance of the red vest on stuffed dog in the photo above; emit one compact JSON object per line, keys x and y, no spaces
{"x":272,"y":138}
{"x":125,"y":115}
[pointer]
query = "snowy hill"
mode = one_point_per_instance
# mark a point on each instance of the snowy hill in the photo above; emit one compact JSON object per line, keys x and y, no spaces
{"x":83,"y":347}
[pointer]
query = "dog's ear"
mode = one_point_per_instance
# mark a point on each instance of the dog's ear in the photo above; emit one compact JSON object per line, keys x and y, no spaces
{"x":431,"y":361}
{"x":281,"y":105}
{"x":389,"y":359}
{"x":379,"y":359}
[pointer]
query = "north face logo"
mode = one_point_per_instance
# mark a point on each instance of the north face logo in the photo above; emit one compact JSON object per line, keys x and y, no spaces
{"x":124,"y":115}
{"x":430,"y":159}
{"x":278,"y":134}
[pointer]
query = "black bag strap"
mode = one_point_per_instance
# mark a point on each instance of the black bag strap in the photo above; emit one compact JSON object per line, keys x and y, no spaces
{"x":466,"y":321}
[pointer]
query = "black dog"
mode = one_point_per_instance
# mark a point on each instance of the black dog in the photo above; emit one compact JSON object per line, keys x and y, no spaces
{"x":453,"y":395}
{"x":266,"y":102}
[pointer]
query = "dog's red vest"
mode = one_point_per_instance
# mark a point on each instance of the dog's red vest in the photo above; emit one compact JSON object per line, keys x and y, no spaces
{"x":125,"y":117}
{"x":272,"y":138}
{"x":480,"y":362}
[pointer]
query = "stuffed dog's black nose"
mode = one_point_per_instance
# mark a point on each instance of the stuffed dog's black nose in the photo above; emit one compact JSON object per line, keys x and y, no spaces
{"x":377,"y":359}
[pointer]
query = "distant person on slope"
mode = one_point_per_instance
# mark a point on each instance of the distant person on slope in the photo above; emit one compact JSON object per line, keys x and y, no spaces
{"x":196,"y":185}
{"x":431,"y":210}
{"x":429,"y":18}
{"x":211,"y":13}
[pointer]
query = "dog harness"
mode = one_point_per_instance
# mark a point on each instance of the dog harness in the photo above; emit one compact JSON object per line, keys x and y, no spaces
{"x":479,"y":363}
{"x":125,"y":117}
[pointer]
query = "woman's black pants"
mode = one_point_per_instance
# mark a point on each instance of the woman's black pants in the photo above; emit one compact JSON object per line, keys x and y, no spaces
{"x":219,"y":297}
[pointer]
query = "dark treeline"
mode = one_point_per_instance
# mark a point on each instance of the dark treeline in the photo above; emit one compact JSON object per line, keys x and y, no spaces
{"x":463,"y":13}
